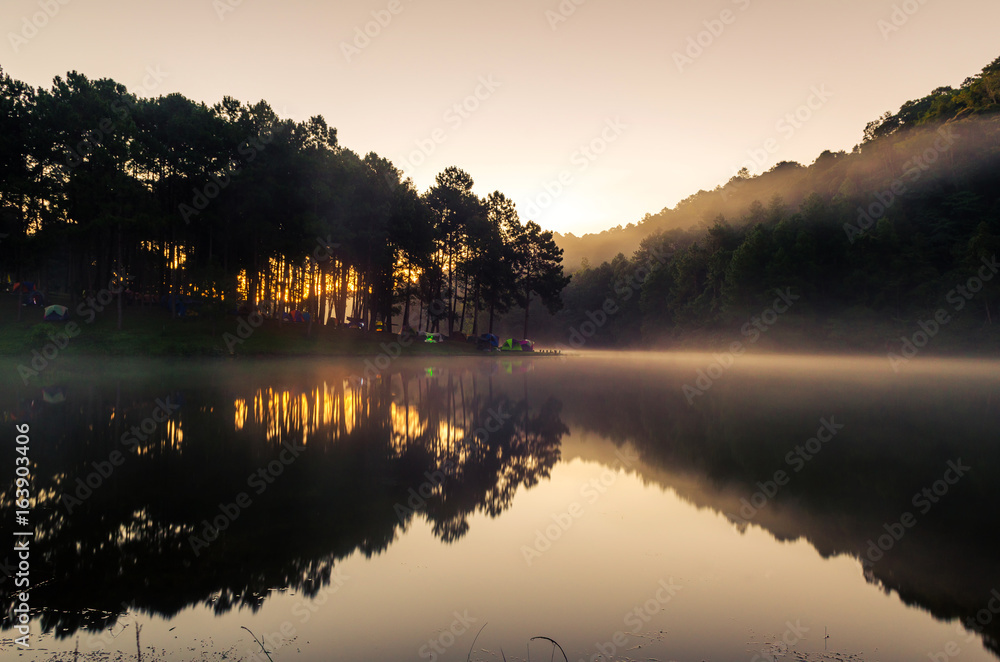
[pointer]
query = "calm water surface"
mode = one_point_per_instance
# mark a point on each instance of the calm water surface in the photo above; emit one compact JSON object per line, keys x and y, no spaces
{"x":780,"y":514}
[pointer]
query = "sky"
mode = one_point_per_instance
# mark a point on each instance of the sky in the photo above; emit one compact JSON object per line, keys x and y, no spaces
{"x":587,"y":113}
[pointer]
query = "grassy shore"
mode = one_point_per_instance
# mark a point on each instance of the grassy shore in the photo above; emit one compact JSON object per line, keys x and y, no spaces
{"x":150,"y":332}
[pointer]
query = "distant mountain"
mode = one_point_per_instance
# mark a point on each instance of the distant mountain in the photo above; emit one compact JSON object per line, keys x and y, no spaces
{"x":978,"y":96}
{"x":870,"y":242}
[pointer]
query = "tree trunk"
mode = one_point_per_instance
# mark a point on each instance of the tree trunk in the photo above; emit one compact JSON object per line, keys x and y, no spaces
{"x":406,"y":304}
{"x":342,"y":295}
{"x":173,"y":281}
{"x":121,"y":287}
{"x":451,"y":289}
{"x":527,"y":307}
{"x":475,"y":314}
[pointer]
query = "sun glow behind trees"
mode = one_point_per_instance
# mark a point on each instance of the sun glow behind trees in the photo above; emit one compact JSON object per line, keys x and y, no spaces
{"x":234,"y":205}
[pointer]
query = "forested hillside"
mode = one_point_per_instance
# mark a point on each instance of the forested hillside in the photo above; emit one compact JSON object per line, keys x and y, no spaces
{"x":873,"y":239}
{"x":791,"y":181}
{"x":203,"y":209}
{"x":172,"y":200}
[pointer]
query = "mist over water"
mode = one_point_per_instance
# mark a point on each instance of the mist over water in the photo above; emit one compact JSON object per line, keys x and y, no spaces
{"x":588,"y":498}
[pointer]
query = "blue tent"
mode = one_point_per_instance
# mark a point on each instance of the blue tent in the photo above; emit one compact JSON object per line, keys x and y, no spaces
{"x":488,"y":340}
{"x":177,"y":303}
{"x":32,"y":297}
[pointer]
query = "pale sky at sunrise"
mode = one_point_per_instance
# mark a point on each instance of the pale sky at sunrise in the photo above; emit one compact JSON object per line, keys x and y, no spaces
{"x":606,"y":75}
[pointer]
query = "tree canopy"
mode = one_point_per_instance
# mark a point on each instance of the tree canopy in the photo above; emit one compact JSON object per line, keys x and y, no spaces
{"x":875,"y":239}
{"x":232,"y":205}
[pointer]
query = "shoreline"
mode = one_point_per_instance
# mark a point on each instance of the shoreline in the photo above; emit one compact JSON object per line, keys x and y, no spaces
{"x":150,"y":333}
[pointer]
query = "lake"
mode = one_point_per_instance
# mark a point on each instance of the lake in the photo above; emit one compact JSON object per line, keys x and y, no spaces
{"x":626,"y":506}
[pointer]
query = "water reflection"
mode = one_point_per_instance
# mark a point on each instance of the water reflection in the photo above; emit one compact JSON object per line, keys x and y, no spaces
{"x":348,"y":465}
{"x":292,"y":471}
{"x":899,"y":437}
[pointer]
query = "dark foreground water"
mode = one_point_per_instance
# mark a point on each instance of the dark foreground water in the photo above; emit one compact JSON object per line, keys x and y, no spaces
{"x":799,"y":508}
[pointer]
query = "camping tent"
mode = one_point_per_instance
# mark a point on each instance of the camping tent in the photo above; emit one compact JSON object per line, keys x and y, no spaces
{"x":488,"y":340}
{"x":510,"y":345}
{"x":177,"y":303}
{"x":31,"y":296}
{"x":56,"y":314}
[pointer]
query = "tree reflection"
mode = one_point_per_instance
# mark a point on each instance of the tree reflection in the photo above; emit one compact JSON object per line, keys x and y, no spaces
{"x":444,"y":445}
{"x":366,"y":448}
{"x":896,"y":441}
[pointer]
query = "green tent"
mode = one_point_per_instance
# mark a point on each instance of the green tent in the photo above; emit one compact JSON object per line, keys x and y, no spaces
{"x":510,"y":345}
